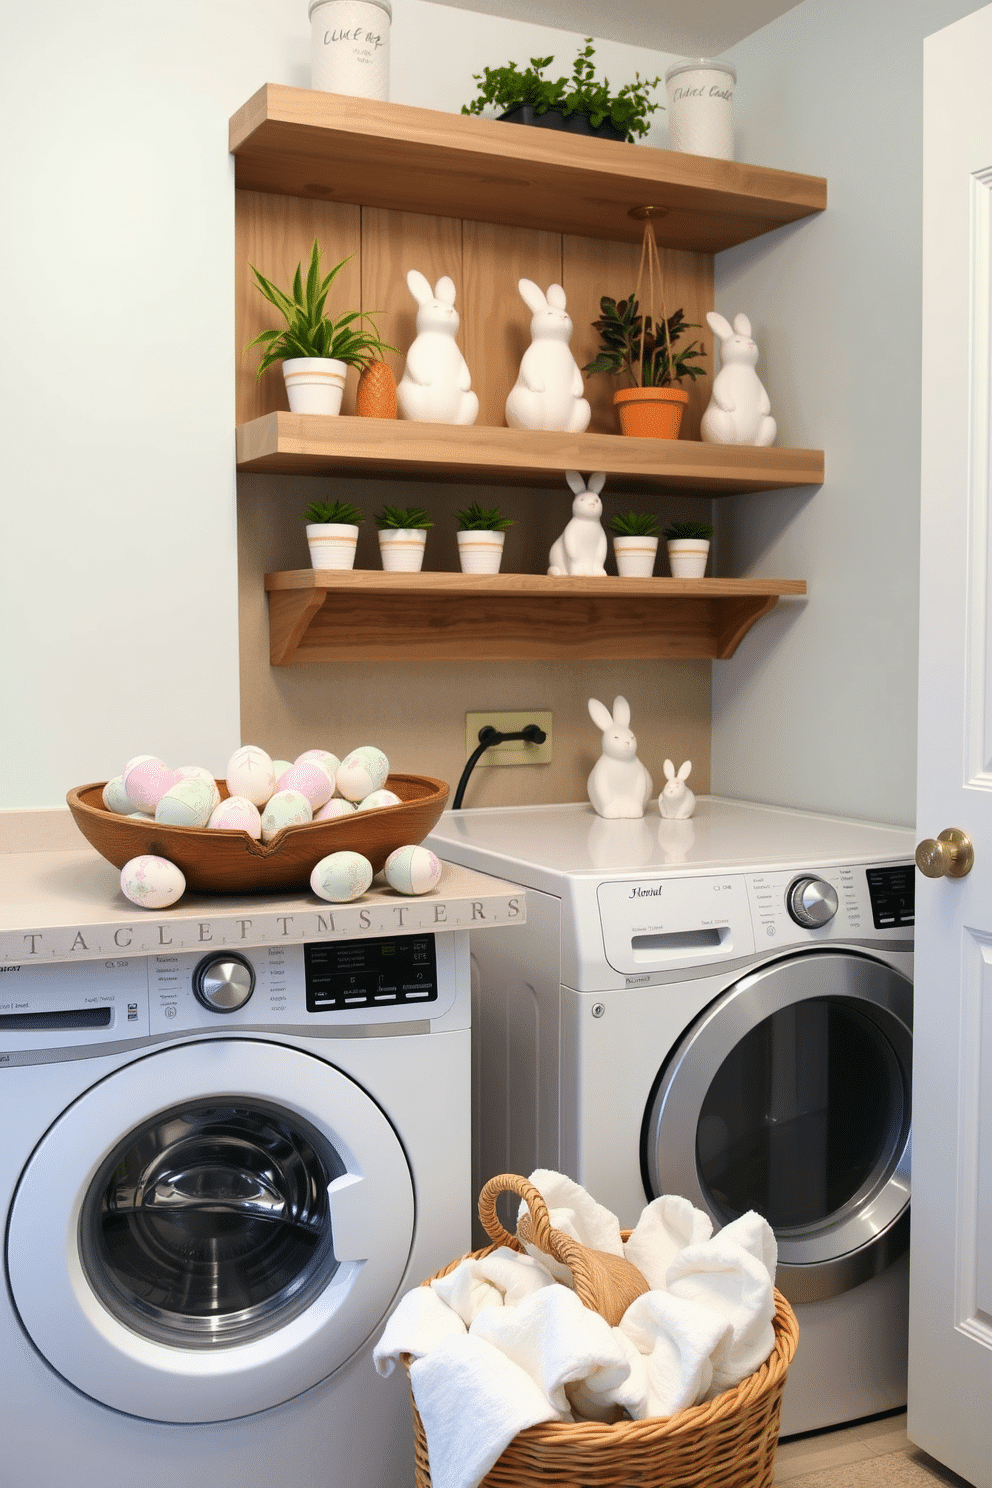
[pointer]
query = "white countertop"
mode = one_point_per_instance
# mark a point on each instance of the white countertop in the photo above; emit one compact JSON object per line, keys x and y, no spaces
{"x":61,"y":901}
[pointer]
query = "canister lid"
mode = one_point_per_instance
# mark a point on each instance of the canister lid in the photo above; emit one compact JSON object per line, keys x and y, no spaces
{"x":694,"y":64}
{"x":382,"y":5}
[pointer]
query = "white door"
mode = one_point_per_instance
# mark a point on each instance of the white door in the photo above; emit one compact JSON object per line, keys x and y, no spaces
{"x":950,"y":1389}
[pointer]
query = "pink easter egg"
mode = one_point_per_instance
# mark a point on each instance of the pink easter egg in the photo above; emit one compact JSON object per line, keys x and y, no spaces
{"x":237,"y":814}
{"x":336,"y":807}
{"x":311,"y":779}
{"x":146,"y":782}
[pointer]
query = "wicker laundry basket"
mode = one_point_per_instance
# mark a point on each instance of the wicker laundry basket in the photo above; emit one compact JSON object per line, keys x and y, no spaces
{"x":728,"y":1442}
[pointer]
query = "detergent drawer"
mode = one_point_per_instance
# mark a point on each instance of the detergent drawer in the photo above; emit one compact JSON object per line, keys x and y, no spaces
{"x":653,"y":925}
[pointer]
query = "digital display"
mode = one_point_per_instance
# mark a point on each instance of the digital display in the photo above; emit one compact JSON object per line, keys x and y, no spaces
{"x":893,"y":896}
{"x":370,"y":973}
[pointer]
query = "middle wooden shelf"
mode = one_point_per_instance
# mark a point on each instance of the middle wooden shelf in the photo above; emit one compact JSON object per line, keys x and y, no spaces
{"x":306,"y":444}
{"x":328,"y":615}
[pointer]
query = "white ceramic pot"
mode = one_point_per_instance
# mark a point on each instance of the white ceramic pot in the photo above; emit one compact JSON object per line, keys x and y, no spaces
{"x":314,"y":384}
{"x":480,"y":552}
{"x":635,"y":556}
{"x":687,"y":557}
{"x":402,"y":548}
{"x":701,"y":107}
{"x":332,"y":544}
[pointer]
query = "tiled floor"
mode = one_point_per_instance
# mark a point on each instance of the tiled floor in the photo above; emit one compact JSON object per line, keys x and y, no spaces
{"x":873,"y":1454}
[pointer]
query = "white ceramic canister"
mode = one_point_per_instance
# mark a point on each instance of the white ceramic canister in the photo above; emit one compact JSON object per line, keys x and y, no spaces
{"x":701,"y":107}
{"x":349,"y":46}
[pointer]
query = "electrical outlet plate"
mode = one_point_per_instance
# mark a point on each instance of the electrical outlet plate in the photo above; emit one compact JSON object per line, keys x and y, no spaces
{"x":514,"y":751}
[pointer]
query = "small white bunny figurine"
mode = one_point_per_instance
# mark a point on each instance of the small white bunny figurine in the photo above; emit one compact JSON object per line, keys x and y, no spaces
{"x":676,"y":801}
{"x":548,"y":391}
{"x":436,"y":386}
{"x":739,"y":411}
{"x":619,"y":785}
{"x":581,"y":548}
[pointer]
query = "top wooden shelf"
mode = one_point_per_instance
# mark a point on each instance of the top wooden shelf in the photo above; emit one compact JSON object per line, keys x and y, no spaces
{"x":301,"y":142}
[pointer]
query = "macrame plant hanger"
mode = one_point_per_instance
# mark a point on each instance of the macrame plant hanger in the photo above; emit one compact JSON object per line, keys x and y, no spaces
{"x":651,"y":261}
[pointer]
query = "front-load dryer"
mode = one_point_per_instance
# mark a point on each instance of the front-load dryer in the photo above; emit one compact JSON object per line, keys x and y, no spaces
{"x":218,"y":1175}
{"x":722,"y":1008}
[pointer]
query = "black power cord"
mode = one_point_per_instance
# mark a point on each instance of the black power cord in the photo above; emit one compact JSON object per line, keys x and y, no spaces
{"x":488,"y":736}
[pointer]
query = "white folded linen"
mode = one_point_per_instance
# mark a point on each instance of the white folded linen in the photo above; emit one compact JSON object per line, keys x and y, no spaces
{"x":721,"y":1275}
{"x":576,"y":1213}
{"x":501,"y":1279}
{"x":666,"y":1226}
{"x":472,"y":1401}
{"x":555,"y":1340}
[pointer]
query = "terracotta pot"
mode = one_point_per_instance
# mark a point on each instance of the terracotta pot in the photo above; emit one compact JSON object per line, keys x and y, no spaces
{"x":651,"y":412}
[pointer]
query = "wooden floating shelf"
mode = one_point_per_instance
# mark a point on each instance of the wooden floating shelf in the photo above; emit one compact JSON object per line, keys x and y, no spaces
{"x":367,"y":615}
{"x":300,"y":142}
{"x":306,"y":444}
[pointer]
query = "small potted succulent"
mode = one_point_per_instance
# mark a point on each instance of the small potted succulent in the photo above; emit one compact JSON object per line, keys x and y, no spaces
{"x":402,"y":537}
{"x":315,"y":350}
{"x":688,"y":548}
{"x":579,"y":104}
{"x":332,"y":533}
{"x":635,"y":543}
{"x":480,"y":538}
{"x":646,"y":351}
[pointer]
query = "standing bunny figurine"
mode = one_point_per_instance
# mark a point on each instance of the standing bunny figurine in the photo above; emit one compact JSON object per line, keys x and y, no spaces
{"x":581,"y":548}
{"x":436,"y":386}
{"x":676,"y":801}
{"x":739,"y":411}
{"x":548,"y":391}
{"x":619,"y":785}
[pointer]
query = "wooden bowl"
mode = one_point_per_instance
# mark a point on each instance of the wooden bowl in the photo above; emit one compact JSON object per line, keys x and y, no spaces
{"x":216,"y":861}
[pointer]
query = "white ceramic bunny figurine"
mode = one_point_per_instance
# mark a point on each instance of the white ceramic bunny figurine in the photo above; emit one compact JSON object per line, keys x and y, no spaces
{"x":619,"y":785}
{"x":548,"y":391}
{"x":436,"y":386}
{"x":581,"y":548}
{"x":739,"y":411}
{"x":676,"y":801}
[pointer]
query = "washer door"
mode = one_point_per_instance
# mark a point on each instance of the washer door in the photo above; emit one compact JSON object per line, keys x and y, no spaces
{"x":210,"y":1231}
{"x":791,"y":1096}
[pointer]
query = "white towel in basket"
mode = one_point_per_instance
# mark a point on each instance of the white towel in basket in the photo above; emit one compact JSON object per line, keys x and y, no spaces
{"x":666,"y":1226}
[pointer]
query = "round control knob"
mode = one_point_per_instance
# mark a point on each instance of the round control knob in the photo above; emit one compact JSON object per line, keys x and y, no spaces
{"x":811,"y":901}
{"x":223,"y":983}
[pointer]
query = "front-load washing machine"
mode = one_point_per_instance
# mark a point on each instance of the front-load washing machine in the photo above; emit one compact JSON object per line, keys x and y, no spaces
{"x":719,"y":1007}
{"x":218,"y":1174}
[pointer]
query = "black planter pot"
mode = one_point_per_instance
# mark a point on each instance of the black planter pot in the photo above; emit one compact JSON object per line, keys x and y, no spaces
{"x":577,"y":123}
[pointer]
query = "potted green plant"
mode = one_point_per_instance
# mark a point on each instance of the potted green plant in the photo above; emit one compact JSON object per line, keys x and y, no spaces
{"x":332,"y":533}
{"x":635,"y":543}
{"x":646,"y":351}
{"x":402,"y":537}
{"x":315,"y":350}
{"x":688,"y":548}
{"x":481,"y":532}
{"x":580,"y":104}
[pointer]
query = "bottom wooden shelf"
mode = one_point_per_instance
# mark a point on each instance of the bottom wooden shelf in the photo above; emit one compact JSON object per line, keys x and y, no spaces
{"x":367,"y":615}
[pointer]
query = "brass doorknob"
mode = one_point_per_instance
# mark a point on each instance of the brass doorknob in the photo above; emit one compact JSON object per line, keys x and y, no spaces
{"x":950,"y":856}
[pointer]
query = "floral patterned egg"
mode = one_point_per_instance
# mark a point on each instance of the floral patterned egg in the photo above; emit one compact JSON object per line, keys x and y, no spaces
{"x":341,"y":876}
{"x":412,"y":870}
{"x":361,"y":772}
{"x":188,"y":803}
{"x":336,"y":807}
{"x":200,"y":772}
{"x":322,"y":756}
{"x":151,"y":882}
{"x":379,"y":798}
{"x":116,"y":798}
{"x":288,"y":808}
{"x":146,"y":782}
{"x":237,"y":814}
{"x":312,"y":779}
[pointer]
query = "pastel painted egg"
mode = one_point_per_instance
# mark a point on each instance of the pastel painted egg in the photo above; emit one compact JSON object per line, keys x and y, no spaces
{"x":116,"y":798}
{"x":412,"y":870}
{"x":379,"y":798}
{"x":361,"y":772}
{"x":237,"y":814}
{"x":140,"y":816}
{"x":311,"y":779}
{"x":281,"y":766}
{"x":338,"y":806}
{"x":139,"y":759}
{"x":322,"y":756}
{"x":147,"y":781}
{"x":289,"y":808}
{"x":152,"y":883}
{"x":250,"y":773}
{"x":341,"y":876}
{"x":187,"y":804}
{"x":199,"y":772}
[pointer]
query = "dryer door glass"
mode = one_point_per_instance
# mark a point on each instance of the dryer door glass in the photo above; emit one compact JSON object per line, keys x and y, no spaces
{"x":210,"y":1223}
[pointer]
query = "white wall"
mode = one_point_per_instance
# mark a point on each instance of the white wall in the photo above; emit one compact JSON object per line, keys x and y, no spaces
{"x":118,"y":614}
{"x":818,"y":707}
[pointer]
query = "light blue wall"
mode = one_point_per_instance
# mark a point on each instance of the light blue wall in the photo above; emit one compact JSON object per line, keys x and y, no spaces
{"x":818,"y":707}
